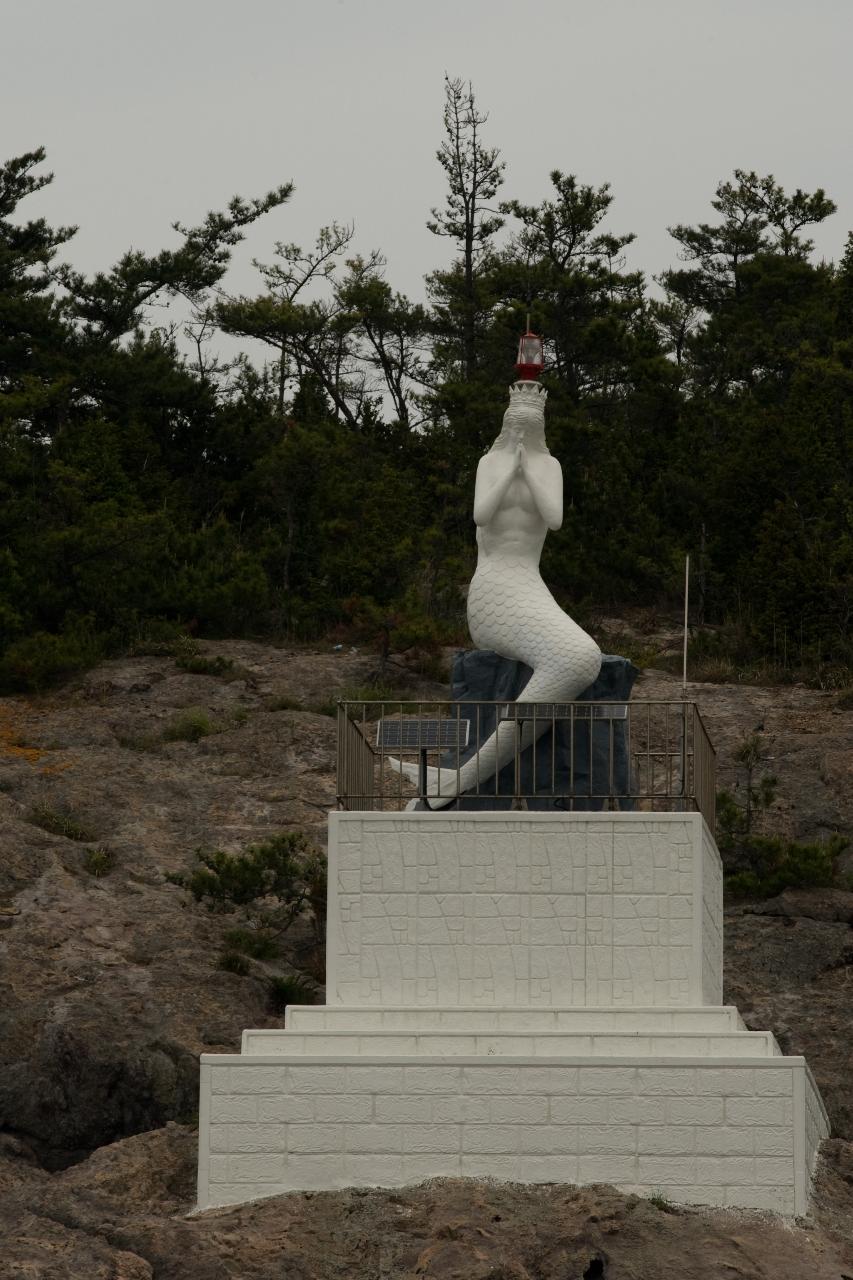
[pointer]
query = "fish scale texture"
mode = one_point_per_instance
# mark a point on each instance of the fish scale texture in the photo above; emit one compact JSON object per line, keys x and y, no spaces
{"x":511,"y":611}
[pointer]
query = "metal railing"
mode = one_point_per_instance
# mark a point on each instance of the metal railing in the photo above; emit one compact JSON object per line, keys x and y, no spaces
{"x":575,"y":756}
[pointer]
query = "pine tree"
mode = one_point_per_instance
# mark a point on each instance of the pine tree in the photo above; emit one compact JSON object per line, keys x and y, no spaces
{"x":474,"y":175}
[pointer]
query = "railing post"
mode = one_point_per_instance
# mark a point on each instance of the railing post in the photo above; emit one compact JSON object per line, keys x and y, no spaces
{"x":668,"y":775}
{"x":341,"y":780}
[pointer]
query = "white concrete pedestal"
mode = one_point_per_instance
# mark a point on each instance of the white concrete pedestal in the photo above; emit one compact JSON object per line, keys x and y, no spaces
{"x":532,"y":996}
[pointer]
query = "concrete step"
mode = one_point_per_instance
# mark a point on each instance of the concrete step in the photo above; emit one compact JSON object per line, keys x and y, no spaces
{"x":705,"y":1018}
{"x":735,"y":1131}
{"x":513,"y":1044}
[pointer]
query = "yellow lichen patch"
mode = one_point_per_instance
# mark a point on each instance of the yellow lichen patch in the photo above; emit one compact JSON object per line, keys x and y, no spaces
{"x":12,"y":742}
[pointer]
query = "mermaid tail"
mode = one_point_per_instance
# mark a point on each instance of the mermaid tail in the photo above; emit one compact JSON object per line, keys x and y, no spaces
{"x":511,"y":611}
{"x":441,"y":783}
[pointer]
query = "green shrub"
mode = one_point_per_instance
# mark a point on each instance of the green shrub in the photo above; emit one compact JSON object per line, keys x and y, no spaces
{"x":737,"y":815}
{"x":315,"y":881}
{"x":37,"y":661}
{"x":661,"y":1202}
{"x":252,"y":942}
{"x":233,"y":962}
{"x":432,"y":666}
{"x":274,"y":883}
{"x":774,"y":864}
{"x":226,"y":880}
{"x":312,"y":961}
{"x":60,"y":823}
{"x":150,"y":742}
{"x":199,"y":665}
{"x":160,"y":637}
{"x":757,"y":865}
{"x":99,"y":861}
{"x":324,"y":708}
{"x":283,"y":702}
{"x":410,"y":626}
{"x":190,"y":726}
{"x":292,"y":989}
{"x":186,"y":726}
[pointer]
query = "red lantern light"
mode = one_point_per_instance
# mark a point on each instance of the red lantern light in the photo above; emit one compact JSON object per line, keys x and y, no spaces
{"x":531,"y":357}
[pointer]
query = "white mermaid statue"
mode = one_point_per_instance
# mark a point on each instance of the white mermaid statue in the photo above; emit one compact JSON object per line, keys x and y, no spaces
{"x":518,"y":497}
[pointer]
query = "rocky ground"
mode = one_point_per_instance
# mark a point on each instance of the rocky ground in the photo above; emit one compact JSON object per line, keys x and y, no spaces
{"x":807,"y":739}
{"x":109,"y":990}
{"x":121,"y":1215}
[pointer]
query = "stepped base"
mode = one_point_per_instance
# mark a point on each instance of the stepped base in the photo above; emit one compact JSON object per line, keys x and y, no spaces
{"x":313,"y":1017}
{"x":513,"y":1044}
{"x":529,"y":996}
{"x":723,"y":1130}
{"x":409,"y":1031}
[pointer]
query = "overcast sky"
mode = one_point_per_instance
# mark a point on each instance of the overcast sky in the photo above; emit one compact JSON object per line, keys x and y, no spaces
{"x":159,"y":111}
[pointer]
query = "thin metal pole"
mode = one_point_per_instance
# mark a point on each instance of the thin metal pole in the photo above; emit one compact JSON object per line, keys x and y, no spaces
{"x":686,"y":601}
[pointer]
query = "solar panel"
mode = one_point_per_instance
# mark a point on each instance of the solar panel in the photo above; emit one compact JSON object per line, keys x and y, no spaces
{"x":415,"y":734}
{"x":564,"y":711}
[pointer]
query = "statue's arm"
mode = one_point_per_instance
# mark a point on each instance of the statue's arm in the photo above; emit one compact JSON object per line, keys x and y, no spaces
{"x":546,"y":485}
{"x":494,"y":476}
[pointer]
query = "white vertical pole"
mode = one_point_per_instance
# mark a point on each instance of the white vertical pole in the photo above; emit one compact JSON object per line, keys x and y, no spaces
{"x":686,"y":600}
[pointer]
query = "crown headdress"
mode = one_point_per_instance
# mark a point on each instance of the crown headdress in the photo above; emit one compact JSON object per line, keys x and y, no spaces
{"x":527,"y":401}
{"x":524,"y":392}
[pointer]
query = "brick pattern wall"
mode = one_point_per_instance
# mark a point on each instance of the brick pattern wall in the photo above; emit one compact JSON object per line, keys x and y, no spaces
{"x":695,"y":1132}
{"x":817,"y":1121}
{"x":712,"y":921}
{"x":518,"y":909}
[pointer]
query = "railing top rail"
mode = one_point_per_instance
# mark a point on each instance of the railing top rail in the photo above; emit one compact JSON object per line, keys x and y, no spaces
{"x":648,"y":754}
{"x":501,"y":702}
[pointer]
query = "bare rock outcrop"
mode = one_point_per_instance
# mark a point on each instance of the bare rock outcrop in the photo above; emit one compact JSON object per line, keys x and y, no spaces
{"x":109,"y":990}
{"x":793,"y":973}
{"x":807,"y":737}
{"x":122,"y":1215}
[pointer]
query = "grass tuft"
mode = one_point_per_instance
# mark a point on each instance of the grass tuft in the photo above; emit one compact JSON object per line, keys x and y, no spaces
{"x":151,"y":742}
{"x":283,"y":702}
{"x":190,"y":726}
{"x":60,"y":823}
{"x":199,"y":665}
{"x":292,"y":989}
{"x":99,"y":861}
{"x":252,"y":942}
{"x":662,"y":1202}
